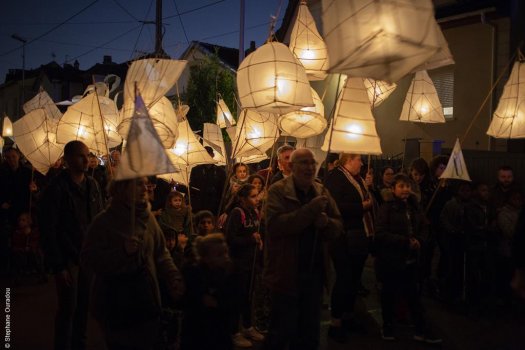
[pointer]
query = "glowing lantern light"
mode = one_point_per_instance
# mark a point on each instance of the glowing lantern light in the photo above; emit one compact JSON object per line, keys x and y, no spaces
{"x":224,"y":116}
{"x":43,"y":100}
{"x":307,"y":122}
{"x":308,"y":45}
{"x":422,"y":102}
{"x":7,"y":127}
{"x":353,"y":129}
{"x":212,"y":137}
{"x":508,"y":120}
{"x":378,"y":91}
{"x":379,"y":39}
{"x":272,"y":80}
{"x":255,"y":134}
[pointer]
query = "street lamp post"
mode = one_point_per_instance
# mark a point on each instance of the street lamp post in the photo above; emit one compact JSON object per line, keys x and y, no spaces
{"x":23,"y":41}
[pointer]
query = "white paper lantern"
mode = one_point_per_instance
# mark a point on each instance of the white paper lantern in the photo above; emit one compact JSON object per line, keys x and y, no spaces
{"x":272,"y":80}
{"x":422,"y":102}
{"x":212,"y":137}
{"x":378,"y":91}
{"x":508,"y":121}
{"x":379,"y":39}
{"x":307,"y":122}
{"x":353,"y":129}
{"x":255,"y":134}
{"x":307,"y":44}
{"x":224,"y":116}
{"x":7,"y":127}
{"x":43,"y":100}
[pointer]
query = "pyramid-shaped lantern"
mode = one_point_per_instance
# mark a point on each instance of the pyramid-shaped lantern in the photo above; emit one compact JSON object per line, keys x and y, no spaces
{"x":378,"y":91}
{"x":307,"y":44}
{"x":187,"y":151}
{"x":456,"y":166}
{"x":379,"y":39}
{"x":224,"y":116}
{"x":256,"y":133}
{"x":272,"y":80}
{"x":422,"y":102}
{"x":508,"y":120}
{"x":353,"y":129}
{"x":7,"y":127}
{"x":306,"y":122}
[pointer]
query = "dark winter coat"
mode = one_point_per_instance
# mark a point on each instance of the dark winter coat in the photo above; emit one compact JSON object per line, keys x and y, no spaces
{"x":241,"y":225}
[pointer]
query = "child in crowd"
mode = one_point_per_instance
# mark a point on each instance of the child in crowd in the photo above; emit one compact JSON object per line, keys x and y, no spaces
{"x":242,"y":234}
{"x":176,"y":215}
{"x":240,"y":173}
{"x":208,"y":301}
{"x":400,"y":228}
{"x":27,"y":255}
{"x":258,"y":182}
{"x":204,"y":223}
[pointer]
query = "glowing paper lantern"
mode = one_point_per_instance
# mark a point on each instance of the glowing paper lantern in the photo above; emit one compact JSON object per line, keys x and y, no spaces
{"x":306,"y":122}
{"x":353,"y":129}
{"x":224,"y":116}
{"x":7,"y":127}
{"x":379,"y":39}
{"x":422,"y":102}
{"x":256,"y":133}
{"x":456,"y":167}
{"x":144,"y":154}
{"x":378,"y":91}
{"x":307,"y":44}
{"x":164,"y":120}
{"x":187,"y":150}
{"x":272,"y":80}
{"x":43,"y":100}
{"x":35,"y":138}
{"x":212,"y":136}
{"x":508,"y":121}
{"x":83,"y":121}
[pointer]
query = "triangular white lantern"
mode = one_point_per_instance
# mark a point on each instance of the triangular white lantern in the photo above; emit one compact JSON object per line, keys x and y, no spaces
{"x":378,"y":91}
{"x":353,"y":129}
{"x":422,"y":102}
{"x":144,"y":154}
{"x":7,"y":127}
{"x":508,"y":121}
{"x":35,"y":138}
{"x":272,"y":80}
{"x":456,"y":167}
{"x":187,"y":150}
{"x":306,"y":122}
{"x":256,"y":133}
{"x":224,"y":116}
{"x":43,"y":100}
{"x":212,"y":136}
{"x":379,"y":39}
{"x":307,"y":44}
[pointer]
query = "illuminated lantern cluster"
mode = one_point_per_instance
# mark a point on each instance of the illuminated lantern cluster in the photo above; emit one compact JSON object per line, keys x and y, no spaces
{"x":422,"y":102}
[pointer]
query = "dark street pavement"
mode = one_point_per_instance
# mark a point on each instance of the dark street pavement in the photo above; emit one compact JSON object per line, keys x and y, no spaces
{"x":33,"y":306}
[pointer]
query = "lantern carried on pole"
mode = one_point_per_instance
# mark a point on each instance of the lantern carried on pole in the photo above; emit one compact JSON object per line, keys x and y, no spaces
{"x":306,"y":122}
{"x":212,"y":137}
{"x":255,"y":134}
{"x":378,"y":91}
{"x":422,"y":103}
{"x":353,"y":129}
{"x":7,"y":127}
{"x":224,"y":116}
{"x":43,"y":100}
{"x":272,"y":80}
{"x":508,"y":120}
{"x":307,"y":44}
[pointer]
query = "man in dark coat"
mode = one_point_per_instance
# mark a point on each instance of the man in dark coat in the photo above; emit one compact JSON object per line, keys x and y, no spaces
{"x":68,"y":206}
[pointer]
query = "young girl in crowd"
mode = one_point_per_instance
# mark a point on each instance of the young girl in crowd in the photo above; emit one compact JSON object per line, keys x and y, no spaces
{"x":240,"y":173}
{"x":176,"y":215}
{"x":208,"y":302}
{"x":242,"y":234}
{"x":258,"y":182}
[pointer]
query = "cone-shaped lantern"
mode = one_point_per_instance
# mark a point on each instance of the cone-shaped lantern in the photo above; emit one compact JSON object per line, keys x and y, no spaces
{"x":508,"y":120}
{"x":187,"y":150}
{"x":212,"y":136}
{"x":379,"y":39}
{"x":7,"y":127}
{"x":83,"y":121}
{"x":224,"y":116}
{"x":456,"y":167}
{"x":256,"y":132}
{"x":144,"y":154}
{"x":43,"y":100}
{"x":36,"y":139}
{"x":306,"y":122}
{"x":307,"y":44}
{"x":378,"y":91}
{"x":272,"y":80}
{"x":354,"y":126}
{"x":422,"y":102}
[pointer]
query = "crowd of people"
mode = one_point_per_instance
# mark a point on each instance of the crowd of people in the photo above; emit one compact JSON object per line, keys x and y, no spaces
{"x":255,"y":252}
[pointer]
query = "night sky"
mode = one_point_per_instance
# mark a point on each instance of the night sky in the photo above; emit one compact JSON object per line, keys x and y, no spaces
{"x":94,"y":28}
